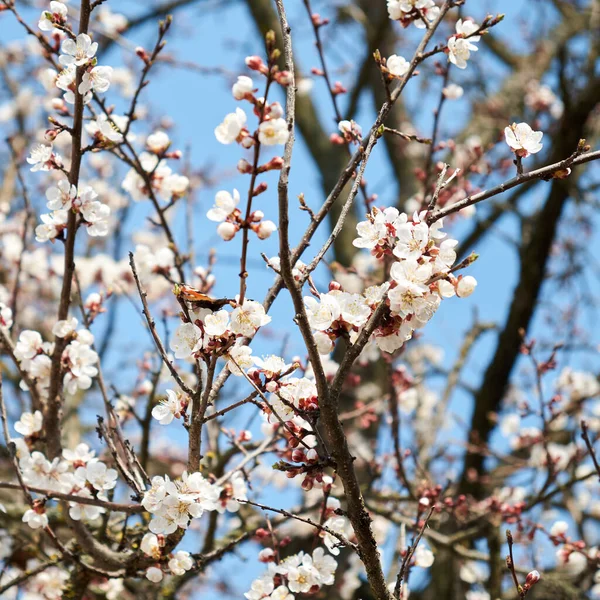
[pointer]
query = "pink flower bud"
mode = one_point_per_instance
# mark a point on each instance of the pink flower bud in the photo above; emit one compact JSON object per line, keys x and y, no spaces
{"x":255,"y":63}
{"x":266,"y":555}
{"x":260,"y":188}
{"x":142,"y":54}
{"x":244,"y":166}
{"x":274,"y":164}
{"x":312,"y":455}
{"x":298,"y":455}
{"x":283,"y":78}
{"x":532,"y":578}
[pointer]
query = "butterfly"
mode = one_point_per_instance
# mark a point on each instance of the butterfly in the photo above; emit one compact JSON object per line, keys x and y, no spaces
{"x":186,"y":293}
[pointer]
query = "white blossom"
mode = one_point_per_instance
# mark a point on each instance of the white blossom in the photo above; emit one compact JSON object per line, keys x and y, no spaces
{"x":272,"y":132}
{"x":397,"y":65}
{"x":29,"y":423}
{"x":231,"y":127}
{"x":522,"y":139}
{"x":79,"y":51}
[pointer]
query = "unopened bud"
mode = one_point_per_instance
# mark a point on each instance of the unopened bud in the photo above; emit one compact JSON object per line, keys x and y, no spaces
{"x":244,"y":166}
{"x":260,"y":188}
{"x":142,"y":54}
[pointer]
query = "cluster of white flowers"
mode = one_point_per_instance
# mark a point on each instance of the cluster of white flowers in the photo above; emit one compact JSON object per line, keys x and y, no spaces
{"x":462,"y":44}
{"x":77,"y":473}
{"x":212,"y":331}
{"x":166,"y":184}
{"x":226,"y":213}
{"x":77,"y":361}
{"x":48,"y":584}
{"x":64,"y":198}
{"x":180,"y":562}
{"x":420,"y":279}
{"x":418,"y":12}
{"x":81,"y":52}
{"x":173,"y":504}
{"x":272,"y":129}
{"x":541,"y":98}
{"x":302,"y":573}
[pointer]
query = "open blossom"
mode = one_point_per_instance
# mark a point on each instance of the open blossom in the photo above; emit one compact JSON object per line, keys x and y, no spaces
{"x":98,"y":80}
{"x":467,"y":28}
{"x":80,"y":456}
{"x":231,"y":127}
{"x":98,"y":475}
{"x":150,"y":545}
{"x":462,"y":44}
{"x":35,"y":519}
{"x":242,"y":87}
{"x":181,"y":562}
{"x":321,"y":314}
{"x":412,"y":240}
{"x":216,"y":324}
{"x":57,"y":15}
{"x":339,"y":525}
{"x":52,"y":225}
{"x":225,"y":204}
{"x":186,"y":340}
{"x":29,"y":423}
{"x":105,"y":130}
{"x":28,"y":344}
{"x":63,"y":328}
{"x":240,"y":357}
{"x":40,"y":157}
{"x":78,"y":51}
{"x":413,"y":10}
{"x":80,"y":359}
{"x":523,"y":140}
{"x":170,"y":407}
{"x":66,"y":82}
{"x":89,"y":512}
{"x":272,"y":132}
{"x":397,"y":65}
{"x":246,"y":319}
{"x":459,"y":51}
{"x":94,"y":212}
{"x":61,"y":196}
{"x":411,"y":279}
